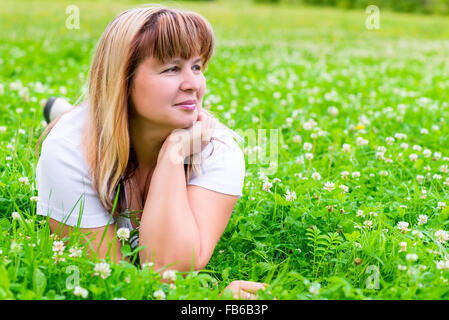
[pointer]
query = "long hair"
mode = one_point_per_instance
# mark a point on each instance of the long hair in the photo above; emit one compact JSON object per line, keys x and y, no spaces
{"x":131,"y":37}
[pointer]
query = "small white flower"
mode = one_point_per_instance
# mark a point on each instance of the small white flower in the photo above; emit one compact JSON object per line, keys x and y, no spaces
{"x":15,"y":216}
{"x":383,"y":173}
{"x":346,"y":148}
{"x":307,"y":146}
{"x":419,"y":178}
{"x":436,"y":156}
{"x":34,"y":198}
{"x":344,"y":174}
{"x":413,"y":157}
{"x":75,"y":252}
{"x":24,"y":180}
{"x":403,"y":226}
{"x":102,"y":269}
{"x":356,"y":174}
{"x":389,"y":140}
{"x":360,"y":213}
{"x":159,"y":294}
{"x":297,"y":139}
{"x":300,"y":160}
{"x":344,"y":188}
{"x":400,"y":136}
{"x":424,"y":131}
{"x":80,"y":292}
{"x":427,"y":153}
{"x":290,"y":196}
{"x":361,"y":142}
{"x":404,"y":145}
{"x":329,"y":186}
{"x":401,"y":267}
{"x":170,"y":275}
{"x":411,"y":257}
{"x":309,"y":156}
{"x":437,"y":177}
{"x":58,"y":247}
{"x":416,"y":147}
{"x":441,"y":236}
{"x":422,"y":219}
{"x":403,"y":246}
{"x":123,"y":234}
{"x":443,"y":265}
{"x":19,"y":110}
{"x":380,"y":155}
{"x":315,"y":288}
{"x":316,"y":176}
{"x":441,"y":205}
{"x":444,"y":168}
{"x":2,"y":129}
{"x":368,"y":224}
{"x":333,"y":111}
{"x":267,"y":185}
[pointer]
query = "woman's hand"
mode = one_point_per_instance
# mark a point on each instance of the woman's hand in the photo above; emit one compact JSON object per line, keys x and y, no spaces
{"x":189,"y":141}
{"x":245,"y":289}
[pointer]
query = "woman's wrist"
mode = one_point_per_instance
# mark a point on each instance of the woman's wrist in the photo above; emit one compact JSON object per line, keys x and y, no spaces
{"x":171,"y":150}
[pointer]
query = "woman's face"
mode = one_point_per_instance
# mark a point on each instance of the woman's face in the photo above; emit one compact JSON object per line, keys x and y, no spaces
{"x":157,"y":88}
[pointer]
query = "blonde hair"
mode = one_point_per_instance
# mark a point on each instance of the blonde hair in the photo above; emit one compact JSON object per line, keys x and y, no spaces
{"x":132,"y":36}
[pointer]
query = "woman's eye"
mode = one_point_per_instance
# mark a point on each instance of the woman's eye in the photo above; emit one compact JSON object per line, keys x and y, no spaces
{"x":171,"y":69}
{"x":199,"y":67}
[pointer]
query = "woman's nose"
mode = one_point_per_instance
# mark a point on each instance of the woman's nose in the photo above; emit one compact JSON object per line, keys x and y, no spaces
{"x":190,"y":80}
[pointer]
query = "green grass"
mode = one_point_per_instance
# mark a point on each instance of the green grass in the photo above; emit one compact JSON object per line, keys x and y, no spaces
{"x":274,"y":67}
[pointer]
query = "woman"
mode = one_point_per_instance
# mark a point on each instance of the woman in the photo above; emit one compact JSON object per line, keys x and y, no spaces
{"x":140,"y":152}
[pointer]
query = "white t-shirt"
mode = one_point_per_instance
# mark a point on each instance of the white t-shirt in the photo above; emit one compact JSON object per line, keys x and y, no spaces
{"x":63,"y":182}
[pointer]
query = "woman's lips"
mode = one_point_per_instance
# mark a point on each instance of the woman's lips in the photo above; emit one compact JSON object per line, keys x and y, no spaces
{"x":187,"y":106}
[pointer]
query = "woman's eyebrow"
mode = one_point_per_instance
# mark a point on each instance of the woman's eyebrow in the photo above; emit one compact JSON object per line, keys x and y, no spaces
{"x":179,"y":60}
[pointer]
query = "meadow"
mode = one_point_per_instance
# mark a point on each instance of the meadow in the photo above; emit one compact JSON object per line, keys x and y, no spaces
{"x":353,"y":206}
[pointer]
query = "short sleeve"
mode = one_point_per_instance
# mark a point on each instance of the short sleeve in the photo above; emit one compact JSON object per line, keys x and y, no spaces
{"x":224,"y":170}
{"x":64,"y":187}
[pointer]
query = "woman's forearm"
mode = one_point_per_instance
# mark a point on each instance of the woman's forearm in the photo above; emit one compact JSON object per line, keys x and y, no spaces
{"x":168,"y":229}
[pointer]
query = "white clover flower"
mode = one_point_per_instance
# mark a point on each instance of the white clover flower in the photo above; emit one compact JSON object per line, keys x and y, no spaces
{"x":424,"y":131}
{"x":403,"y":246}
{"x":315,"y":288}
{"x":361,"y":142}
{"x":422,"y":219}
{"x":24,"y":180}
{"x":427,"y":153}
{"x":58,"y":247}
{"x":300,"y":160}
{"x":436,"y":156}
{"x":19,"y":110}
{"x":2,"y":129}
{"x":307,"y":146}
{"x":290,"y":196}
{"x":313,"y":136}
{"x":443,"y":265}
{"x":344,"y":174}
{"x":75,"y":252}
{"x":435,"y":127}
{"x":169,"y":275}
{"x":444,"y":168}
{"x":400,"y":136}
{"x":147,"y":265}
{"x":123,"y":234}
{"x":159,"y":294}
{"x":34,"y":198}
{"x":411,"y":257}
{"x":368,"y":224}
{"x":383,"y":173}
{"x":437,"y":177}
{"x":403,"y":226}
{"x":316,"y":176}
{"x":15,"y":216}
{"x":346,"y":148}
{"x":381,"y":149}
{"x":418,"y":233}
{"x":416,"y":147}
{"x":80,"y":292}
{"x":267,"y":185}
{"x":297,"y":139}
{"x":380,"y":155}
{"x":309,"y":156}
{"x":389,"y":140}
{"x":441,"y":236}
{"x":419,"y":178}
{"x":344,"y":188}
{"x":329,"y":186}
{"x":404,"y":146}
{"x":102,"y":269}
{"x":356,"y":174}
{"x":413,"y":157}
{"x":401,"y":267}
{"x":333,"y":111}
{"x":360,"y":213}
{"x":15,"y":247}
{"x":357,"y":245}
{"x":441,"y":205}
